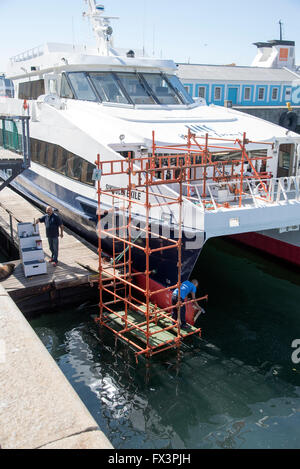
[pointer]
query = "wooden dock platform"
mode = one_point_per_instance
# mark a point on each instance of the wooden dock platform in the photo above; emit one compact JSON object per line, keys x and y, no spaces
{"x":74,"y":280}
{"x":9,"y":156}
{"x":58,"y":286}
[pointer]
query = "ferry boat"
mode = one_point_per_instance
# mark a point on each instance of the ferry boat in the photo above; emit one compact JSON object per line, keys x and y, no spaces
{"x":107,"y":101}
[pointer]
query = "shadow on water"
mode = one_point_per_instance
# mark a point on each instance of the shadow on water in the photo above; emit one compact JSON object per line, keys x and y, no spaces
{"x":236,"y":388}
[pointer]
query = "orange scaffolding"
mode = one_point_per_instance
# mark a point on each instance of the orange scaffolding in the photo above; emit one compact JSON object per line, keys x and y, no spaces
{"x":205,"y":153}
{"x":126,"y":308}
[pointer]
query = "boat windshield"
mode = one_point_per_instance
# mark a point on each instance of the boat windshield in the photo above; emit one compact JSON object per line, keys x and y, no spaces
{"x":81,"y":86}
{"x":128,"y":88}
{"x":161,"y":88}
{"x":108,"y":88}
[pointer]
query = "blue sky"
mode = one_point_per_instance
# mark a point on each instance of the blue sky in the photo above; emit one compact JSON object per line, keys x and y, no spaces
{"x":210,"y":31}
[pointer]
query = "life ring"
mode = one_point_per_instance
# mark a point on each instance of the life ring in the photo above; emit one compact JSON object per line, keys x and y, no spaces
{"x":260,"y":190}
{"x":288,"y":120}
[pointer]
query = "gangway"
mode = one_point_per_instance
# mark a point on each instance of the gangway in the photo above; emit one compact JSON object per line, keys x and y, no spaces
{"x":14,"y":147}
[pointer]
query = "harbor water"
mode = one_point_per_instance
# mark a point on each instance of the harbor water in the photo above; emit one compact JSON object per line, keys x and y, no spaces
{"x":236,"y":388}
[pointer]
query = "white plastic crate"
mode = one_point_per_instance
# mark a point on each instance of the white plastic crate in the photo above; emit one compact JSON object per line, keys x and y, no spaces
{"x":32,"y":254}
{"x":31,"y":250}
{"x":34,"y":268}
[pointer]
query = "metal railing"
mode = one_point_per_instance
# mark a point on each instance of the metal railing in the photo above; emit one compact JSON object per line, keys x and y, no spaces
{"x":14,"y":147}
{"x":28,"y":54}
{"x":14,"y":136}
{"x":256,"y":193}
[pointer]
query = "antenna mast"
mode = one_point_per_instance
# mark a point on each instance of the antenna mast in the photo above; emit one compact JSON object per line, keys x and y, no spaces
{"x":101,"y":26}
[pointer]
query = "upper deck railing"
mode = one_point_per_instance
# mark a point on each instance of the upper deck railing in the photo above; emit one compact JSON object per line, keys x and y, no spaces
{"x":28,"y":54}
{"x":256,"y":193}
{"x":14,"y":147}
{"x":14,"y":135}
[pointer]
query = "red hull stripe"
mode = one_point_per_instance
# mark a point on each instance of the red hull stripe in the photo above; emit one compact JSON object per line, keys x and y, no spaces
{"x":270,"y":245}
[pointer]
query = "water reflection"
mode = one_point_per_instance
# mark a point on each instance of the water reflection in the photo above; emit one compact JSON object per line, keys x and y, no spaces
{"x":208,"y":401}
{"x":236,"y":388}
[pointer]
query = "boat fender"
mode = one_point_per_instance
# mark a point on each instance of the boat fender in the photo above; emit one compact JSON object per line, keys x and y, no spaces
{"x":288,"y":120}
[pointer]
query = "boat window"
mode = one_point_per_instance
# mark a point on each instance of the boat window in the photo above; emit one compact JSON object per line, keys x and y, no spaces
{"x":65,"y":90}
{"x":33,"y":151}
{"x":81,"y":86}
{"x":180,"y":89}
{"x":87,"y":173}
{"x":127,"y":154}
{"x":286,"y":160}
{"x":73,"y":167}
{"x":62,"y":161}
{"x":135,"y":88}
{"x":31,"y":89}
{"x":42,"y":157}
{"x":161,"y":88}
{"x":51,"y":156}
{"x":108,"y":88}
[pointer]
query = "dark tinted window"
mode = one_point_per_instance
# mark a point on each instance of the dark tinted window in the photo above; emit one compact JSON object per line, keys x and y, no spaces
{"x":87,"y":173}
{"x":73,"y":167}
{"x":62,"y":161}
{"x":31,"y":89}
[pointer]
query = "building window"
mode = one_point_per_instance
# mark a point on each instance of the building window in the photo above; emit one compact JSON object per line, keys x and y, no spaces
{"x":217,"y":93}
{"x":202,"y":92}
{"x":261,"y":94}
{"x":275,"y":94}
{"x":288,"y":93}
{"x":247,"y":94}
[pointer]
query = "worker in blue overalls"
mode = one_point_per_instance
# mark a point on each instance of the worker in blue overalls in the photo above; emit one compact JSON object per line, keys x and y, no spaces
{"x":186,"y":288}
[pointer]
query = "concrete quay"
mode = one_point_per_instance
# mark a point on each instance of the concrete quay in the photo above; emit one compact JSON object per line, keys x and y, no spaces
{"x":39,"y":409}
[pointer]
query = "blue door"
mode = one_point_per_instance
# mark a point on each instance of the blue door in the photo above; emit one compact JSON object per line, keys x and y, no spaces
{"x":233,"y":95}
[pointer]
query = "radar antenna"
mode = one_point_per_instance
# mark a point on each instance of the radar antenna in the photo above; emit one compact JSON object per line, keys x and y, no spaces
{"x":101,"y":26}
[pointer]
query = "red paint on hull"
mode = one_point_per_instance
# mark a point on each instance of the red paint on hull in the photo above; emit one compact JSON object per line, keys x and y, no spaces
{"x":163,"y":299}
{"x":273,"y":246}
